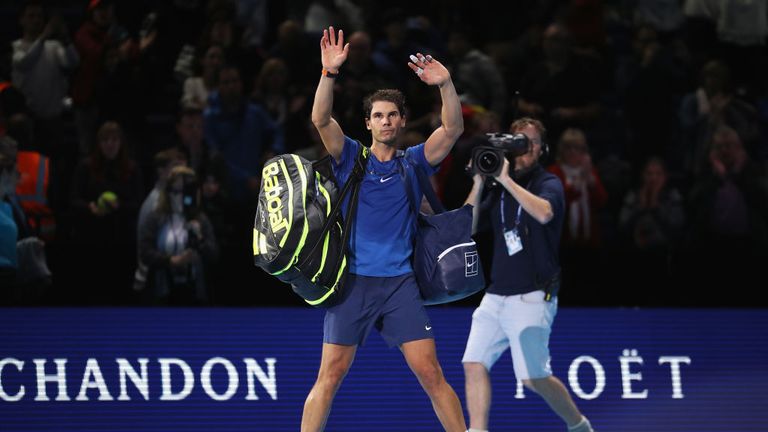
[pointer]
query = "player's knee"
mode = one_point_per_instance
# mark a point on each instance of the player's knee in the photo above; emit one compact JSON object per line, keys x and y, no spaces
{"x":333,"y":375}
{"x":430,"y":376}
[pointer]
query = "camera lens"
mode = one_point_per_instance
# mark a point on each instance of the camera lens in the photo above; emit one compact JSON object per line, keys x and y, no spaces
{"x":487,"y":161}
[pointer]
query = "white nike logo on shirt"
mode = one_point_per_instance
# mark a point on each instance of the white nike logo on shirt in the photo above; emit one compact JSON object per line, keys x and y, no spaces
{"x":427,"y":328}
{"x":383,"y":180}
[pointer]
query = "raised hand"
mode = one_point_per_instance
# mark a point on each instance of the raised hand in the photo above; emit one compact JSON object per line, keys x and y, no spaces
{"x":333,"y":51}
{"x":428,"y":69}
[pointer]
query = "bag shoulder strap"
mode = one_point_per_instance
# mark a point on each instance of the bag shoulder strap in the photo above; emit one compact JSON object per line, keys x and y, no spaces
{"x":426,"y":185}
{"x":352,"y":184}
{"x":356,"y":178}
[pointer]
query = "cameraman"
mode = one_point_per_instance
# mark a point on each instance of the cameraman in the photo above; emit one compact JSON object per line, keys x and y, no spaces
{"x":520,"y":304}
{"x":177,"y":243}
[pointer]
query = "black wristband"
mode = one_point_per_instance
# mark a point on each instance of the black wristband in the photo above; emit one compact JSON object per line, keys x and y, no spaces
{"x":329,"y":74}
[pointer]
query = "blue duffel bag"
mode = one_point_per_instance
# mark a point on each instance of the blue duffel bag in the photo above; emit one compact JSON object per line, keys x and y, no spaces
{"x":445,"y":259}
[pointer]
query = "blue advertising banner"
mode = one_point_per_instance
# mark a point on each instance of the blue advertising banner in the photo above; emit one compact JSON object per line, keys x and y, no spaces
{"x":250,"y":369}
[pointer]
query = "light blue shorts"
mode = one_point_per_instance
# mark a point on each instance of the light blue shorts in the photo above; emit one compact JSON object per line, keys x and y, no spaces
{"x":521,"y":323}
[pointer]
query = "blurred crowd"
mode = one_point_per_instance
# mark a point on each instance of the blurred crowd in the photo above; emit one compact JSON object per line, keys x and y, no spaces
{"x":132,"y":136}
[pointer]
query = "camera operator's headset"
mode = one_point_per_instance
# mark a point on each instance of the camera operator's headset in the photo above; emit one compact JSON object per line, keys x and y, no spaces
{"x":544,"y":147}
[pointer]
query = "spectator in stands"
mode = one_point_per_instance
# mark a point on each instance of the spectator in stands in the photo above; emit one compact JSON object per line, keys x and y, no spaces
{"x":177,"y":243}
{"x":711,"y":104}
{"x":24,"y":270}
{"x":342,"y":13}
{"x":42,"y":60}
{"x":107,"y":53}
{"x":729,"y":216}
{"x":478,"y":80}
{"x":288,"y":106}
{"x":91,"y":40}
{"x":178,"y":24}
{"x":253,"y":18}
{"x":295,"y":49}
{"x":190,"y":142}
{"x":215,"y":203}
{"x":164,"y":162}
{"x":243,"y":135}
{"x":397,"y":46}
{"x":106,"y":193}
{"x":271,"y":90}
{"x":584,"y":197}
{"x":561,"y":89}
{"x":650,"y":82}
{"x":741,"y":29}
{"x":652,"y":214}
{"x":217,"y":206}
{"x":241,"y":132}
{"x":32,"y":190}
{"x":198,"y":87}
{"x":650,"y":222}
{"x":127,"y":85}
{"x":584,"y":192}
{"x":221,"y":27}
{"x":210,"y":170}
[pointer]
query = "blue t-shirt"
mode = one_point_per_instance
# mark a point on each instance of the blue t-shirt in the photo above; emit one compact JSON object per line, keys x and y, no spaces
{"x":539,"y":259}
{"x":381,"y":240}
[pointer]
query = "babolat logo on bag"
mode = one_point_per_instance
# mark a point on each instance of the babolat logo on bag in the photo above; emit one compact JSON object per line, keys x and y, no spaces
{"x":299,"y":235}
{"x":272,"y":189}
{"x":283,"y":182}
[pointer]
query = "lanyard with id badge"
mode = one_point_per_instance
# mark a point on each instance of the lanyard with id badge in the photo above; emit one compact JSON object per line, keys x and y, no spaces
{"x":511,"y":236}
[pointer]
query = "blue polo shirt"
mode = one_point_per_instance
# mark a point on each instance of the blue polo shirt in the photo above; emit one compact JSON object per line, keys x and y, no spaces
{"x":381,"y":240}
{"x":539,"y":259}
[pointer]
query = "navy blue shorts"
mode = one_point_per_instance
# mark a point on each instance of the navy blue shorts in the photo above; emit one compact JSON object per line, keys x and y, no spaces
{"x":391,"y":304}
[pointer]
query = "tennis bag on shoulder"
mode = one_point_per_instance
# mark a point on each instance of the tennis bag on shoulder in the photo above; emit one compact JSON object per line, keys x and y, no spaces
{"x":299,"y":235}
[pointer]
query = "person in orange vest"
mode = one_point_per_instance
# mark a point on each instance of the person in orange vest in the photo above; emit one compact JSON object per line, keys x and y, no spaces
{"x":24,"y":271}
{"x":32,"y":193}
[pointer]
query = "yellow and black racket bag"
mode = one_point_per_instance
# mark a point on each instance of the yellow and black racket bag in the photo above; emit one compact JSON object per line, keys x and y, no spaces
{"x":299,"y":233}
